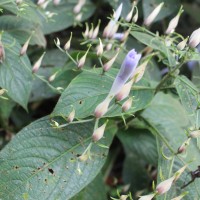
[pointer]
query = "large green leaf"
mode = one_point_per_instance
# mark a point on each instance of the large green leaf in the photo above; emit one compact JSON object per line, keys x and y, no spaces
{"x":95,"y":190}
{"x":89,"y":88}
{"x":156,"y":43}
{"x":189,"y":95}
{"x":169,"y":7}
{"x":42,"y":161}
{"x":15,"y":72}
{"x":65,"y":17}
{"x":21,"y":29}
{"x":167,"y":119}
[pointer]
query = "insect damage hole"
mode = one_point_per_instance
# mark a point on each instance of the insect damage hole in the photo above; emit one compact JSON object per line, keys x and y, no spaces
{"x":51,"y":171}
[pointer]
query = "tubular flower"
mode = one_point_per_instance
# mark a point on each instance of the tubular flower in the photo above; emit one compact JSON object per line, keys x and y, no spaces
{"x":174,"y":22}
{"x":194,"y":38}
{"x":126,"y":71}
{"x":108,"y":31}
{"x":147,"y":197}
{"x":148,"y":21}
{"x":98,"y":133}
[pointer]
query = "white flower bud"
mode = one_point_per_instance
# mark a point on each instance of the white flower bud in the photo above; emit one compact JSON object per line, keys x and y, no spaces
{"x":139,"y":72}
{"x":52,"y":77}
{"x":182,"y":44}
{"x":194,"y":38}
{"x":147,"y":197}
{"x":179,"y":172}
{"x":2,"y":53}
{"x":102,"y":108}
{"x":109,"y":46}
{"x":78,"y":6}
{"x":135,"y":17}
{"x":38,"y":63}
{"x":19,"y":2}
{"x":125,"y":36}
{"x":44,"y":5}
{"x":2,"y":91}
{"x":71,"y":116}
{"x":96,"y":30}
{"x":195,"y":134}
{"x":81,"y":62}
{"x":91,"y":32}
{"x":174,"y":22}
{"x":86,"y":33}
{"x":109,"y":64}
{"x":40,"y":2}
{"x":56,"y":2}
{"x":100,"y":48}
{"x":25,"y":47}
{"x":68,"y":43}
{"x":127,"y":104}
{"x":98,"y":133}
{"x":183,"y":147}
{"x":148,"y":21}
{"x":79,"y":17}
{"x":124,"y":92}
{"x":130,"y":14}
{"x":180,"y":197}
{"x":164,"y":186}
{"x":123,"y":197}
{"x":57,"y":42}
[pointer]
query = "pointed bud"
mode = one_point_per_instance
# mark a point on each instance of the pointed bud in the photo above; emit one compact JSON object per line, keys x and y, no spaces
{"x":56,"y":2}
{"x":147,"y":197}
{"x":125,"y":36}
{"x":68,"y":43}
{"x":71,"y":116}
{"x":44,"y":5}
{"x":100,"y":49}
{"x":38,"y":63}
{"x":98,"y":133}
{"x":124,"y":92}
{"x":194,"y":38}
{"x":164,"y":186}
{"x":91,"y":31}
{"x":123,"y":197}
{"x":86,"y":33}
{"x":135,"y":17}
{"x":109,"y":46}
{"x":79,"y":17}
{"x":182,"y":44}
{"x":195,"y":134}
{"x":2,"y":91}
{"x":2,"y":53}
{"x":183,"y":147}
{"x":174,"y":22}
{"x":180,"y":197}
{"x":113,"y":31}
{"x":40,"y":2}
{"x":108,"y":30}
{"x":109,"y":64}
{"x":96,"y":30}
{"x":148,"y":21}
{"x":79,"y":6}
{"x":18,"y":2}
{"x":52,"y":77}
{"x":25,"y":47}
{"x":130,"y":14}
{"x":102,"y":108}
{"x":179,"y":172}
{"x":139,"y":72}
{"x":57,"y":42}
{"x":127,"y":104}
{"x":81,"y":62}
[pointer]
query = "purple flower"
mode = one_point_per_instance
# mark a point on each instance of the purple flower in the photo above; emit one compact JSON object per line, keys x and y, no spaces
{"x":126,"y":71}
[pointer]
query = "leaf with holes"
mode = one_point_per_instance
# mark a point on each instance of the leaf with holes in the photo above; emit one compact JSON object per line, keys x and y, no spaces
{"x":89,"y":88}
{"x":42,"y":161}
{"x":15,"y":72}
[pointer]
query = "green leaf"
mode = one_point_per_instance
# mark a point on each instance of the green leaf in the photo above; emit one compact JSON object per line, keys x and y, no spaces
{"x":95,"y":190}
{"x":21,"y":29}
{"x":90,"y":88}
{"x":156,"y":43}
{"x":140,"y":149}
{"x":65,"y":17}
{"x":169,"y":8}
{"x":167,"y":119}
{"x":42,"y":161}
{"x":15,"y":72}
{"x":189,"y":95}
